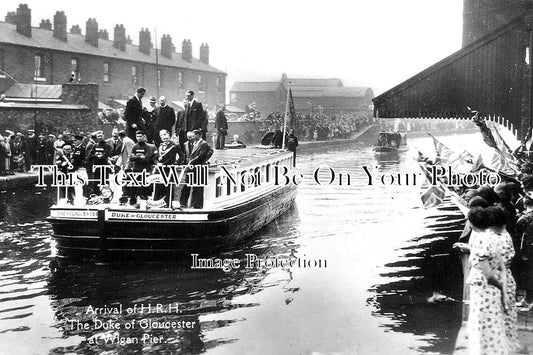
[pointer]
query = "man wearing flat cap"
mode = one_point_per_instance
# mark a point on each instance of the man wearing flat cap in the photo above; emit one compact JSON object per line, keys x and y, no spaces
{"x":133,"y":113}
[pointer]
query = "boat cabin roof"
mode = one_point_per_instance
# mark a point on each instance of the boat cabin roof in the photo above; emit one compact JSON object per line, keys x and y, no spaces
{"x":244,"y":157}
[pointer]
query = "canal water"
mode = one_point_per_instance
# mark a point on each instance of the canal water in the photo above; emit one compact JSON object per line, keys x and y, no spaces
{"x":383,"y":257}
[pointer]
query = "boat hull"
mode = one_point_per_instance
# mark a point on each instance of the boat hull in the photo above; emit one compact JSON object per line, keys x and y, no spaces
{"x":390,"y":150}
{"x":157,"y":233}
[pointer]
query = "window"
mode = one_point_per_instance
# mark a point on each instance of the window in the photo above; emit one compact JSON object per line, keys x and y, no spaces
{"x":180,"y":80}
{"x":74,"y":65}
{"x":39,"y":66}
{"x":159,"y":78}
{"x":201,"y":83}
{"x":233,"y":97}
{"x":106,"y":72}
{"x":219,"y":84}
{"x":134,"y":74}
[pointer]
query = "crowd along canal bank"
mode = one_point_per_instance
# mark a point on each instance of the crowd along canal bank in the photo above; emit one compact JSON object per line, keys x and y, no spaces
{"x":29,"y":179}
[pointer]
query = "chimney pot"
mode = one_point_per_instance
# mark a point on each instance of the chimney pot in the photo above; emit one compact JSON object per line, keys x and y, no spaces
{"x":166,"y":46}
{"x":75,"y":30}
{"x":60,"y":26}
{"x":103,"y":34}
{"x":204,"y":53}
{"x":186,"y":50}
{"x":119,"y":38}
{"x":11,"y":17}
{"x":91,"y":32}
{"x":24,"y":20}
{"x":45,"y":25}
{"x":145,"y":42}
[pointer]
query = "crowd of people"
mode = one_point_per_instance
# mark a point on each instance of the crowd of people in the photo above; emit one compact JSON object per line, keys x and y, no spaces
{"x":499,"y":238}
{"x":320,"y":126}
{"x":156,"y":137}
{"x":19,"y":151}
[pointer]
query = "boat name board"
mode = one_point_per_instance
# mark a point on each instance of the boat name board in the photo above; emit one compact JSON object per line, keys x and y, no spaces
{"x":74,"y":214}
{"x":153,"y":216}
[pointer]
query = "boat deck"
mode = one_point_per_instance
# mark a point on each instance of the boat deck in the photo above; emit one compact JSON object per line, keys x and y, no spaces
{"x":244,"y":156}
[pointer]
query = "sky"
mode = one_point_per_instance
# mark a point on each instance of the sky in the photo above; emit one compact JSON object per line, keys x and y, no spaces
{"x":375,"y":43}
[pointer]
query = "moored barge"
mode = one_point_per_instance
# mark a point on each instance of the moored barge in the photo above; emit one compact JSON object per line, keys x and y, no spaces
{"x":241,"y":195}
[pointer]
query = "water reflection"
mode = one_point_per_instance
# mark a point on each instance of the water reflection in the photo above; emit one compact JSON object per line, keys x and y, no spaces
{"x":425,"y":267}
{"x":75,"y":286}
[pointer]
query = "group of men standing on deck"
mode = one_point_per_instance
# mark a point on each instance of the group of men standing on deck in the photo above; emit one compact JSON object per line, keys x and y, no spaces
{"x":152,"y":138}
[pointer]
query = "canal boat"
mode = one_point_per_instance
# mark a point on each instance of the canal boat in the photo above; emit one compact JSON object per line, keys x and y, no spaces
{"x":392,"y":142}
{"x":241,"y":195}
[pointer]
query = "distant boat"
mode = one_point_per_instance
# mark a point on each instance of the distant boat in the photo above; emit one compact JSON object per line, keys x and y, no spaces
{"x":391,"y":142}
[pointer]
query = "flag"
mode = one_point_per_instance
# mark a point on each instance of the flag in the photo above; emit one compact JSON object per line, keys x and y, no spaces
{"x":293,"y":124}
{"x":433,"y":196}
{"x":508,"y":163}
{"x":459,"y":162}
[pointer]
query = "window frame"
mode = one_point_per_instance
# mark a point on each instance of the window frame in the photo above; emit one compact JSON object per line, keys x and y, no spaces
{"x":107,"y":72}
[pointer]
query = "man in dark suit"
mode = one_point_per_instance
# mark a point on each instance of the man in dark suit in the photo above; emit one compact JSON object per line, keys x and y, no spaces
{"x":221,"y":125}
{"x":194,"y":112}
{"x":165,"y":118}
{"x":133,"y":113}
{"x":116,"y":146}
{"x":197,"y":152}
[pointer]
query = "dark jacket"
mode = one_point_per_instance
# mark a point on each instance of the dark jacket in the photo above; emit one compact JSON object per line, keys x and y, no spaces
{"x":194,"y":115}
{"x":99,"y":154}
{"x":221,"y":123}
{"x":165,"y":118}
{"x":143,"y":157}
{"x":200,"y":153}
{"x":133,"y":115}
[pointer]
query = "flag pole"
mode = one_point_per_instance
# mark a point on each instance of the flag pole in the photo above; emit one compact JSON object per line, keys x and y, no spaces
{"x":156,"y":64}
{"x":285,"y":118}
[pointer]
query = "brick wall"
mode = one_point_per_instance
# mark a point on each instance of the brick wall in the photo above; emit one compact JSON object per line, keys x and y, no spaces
{"x":58,"y":119}
{"x":46,"y":120}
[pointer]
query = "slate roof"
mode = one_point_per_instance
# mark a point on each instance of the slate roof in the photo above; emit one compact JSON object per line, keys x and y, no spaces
{"x":39,"y":91}
{"x":44,"y":39}
{"x":307,"y":82}
{"x":26,"y":105}
{"x":332,"y":92}
{"x":241,"y":86}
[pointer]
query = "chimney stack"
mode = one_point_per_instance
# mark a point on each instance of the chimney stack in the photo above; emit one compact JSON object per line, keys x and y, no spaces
{"x":24,"y":20}
{"x":186,"y":50}
{"x":75,"y":30}
{"x":129,"y":40}
{"x":166,"y":46}
{"x":45,"y":25}
{"x":103,"y":34}
{"x":119,"y":37}
{"x":11,"y":17}
{"x":204,"y":53}
{"x":145,"y":43}
{"x":60,"y":26}
{"x":91,"y":32}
